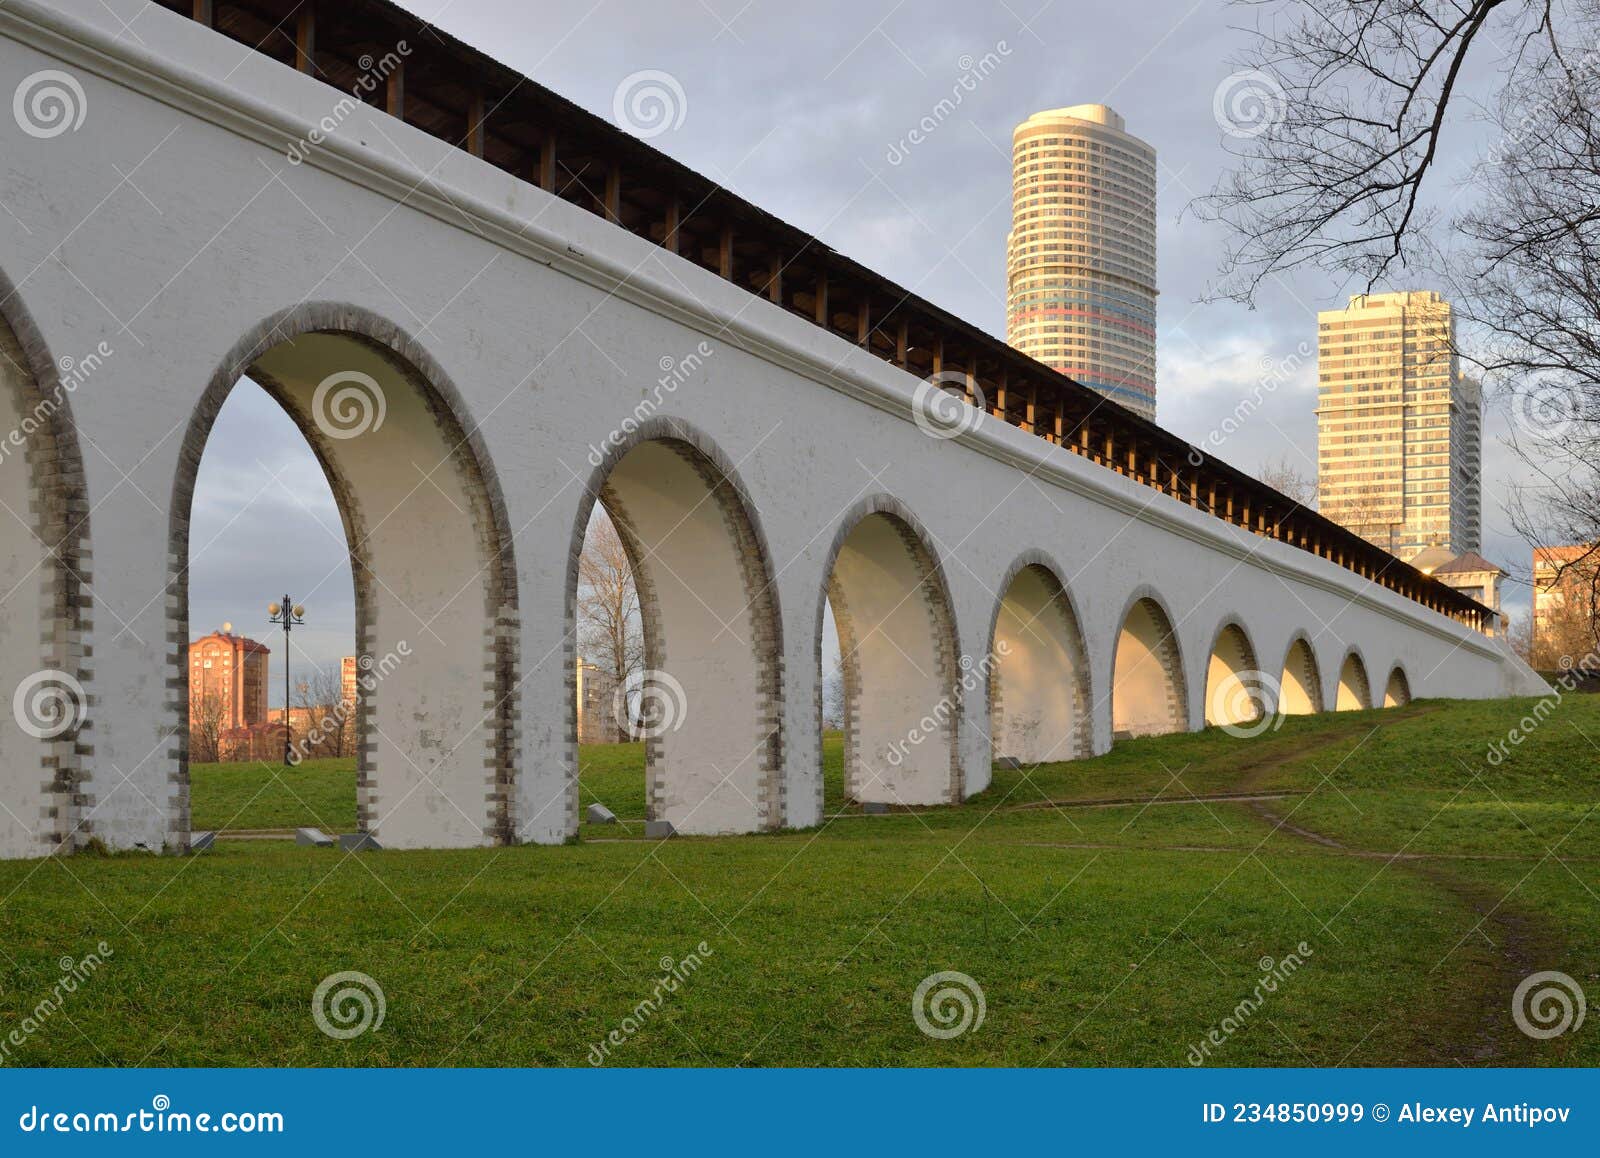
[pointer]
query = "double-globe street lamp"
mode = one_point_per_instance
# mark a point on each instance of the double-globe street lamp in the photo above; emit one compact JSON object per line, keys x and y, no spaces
{"x":290,"y":614}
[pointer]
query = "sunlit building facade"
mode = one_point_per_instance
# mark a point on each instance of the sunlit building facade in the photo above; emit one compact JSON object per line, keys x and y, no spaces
{"x":1081,"y":255}
{"x":1399,"y":431}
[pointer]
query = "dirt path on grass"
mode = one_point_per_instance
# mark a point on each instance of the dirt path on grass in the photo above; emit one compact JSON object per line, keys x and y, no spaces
{"x":1469,"y":1022}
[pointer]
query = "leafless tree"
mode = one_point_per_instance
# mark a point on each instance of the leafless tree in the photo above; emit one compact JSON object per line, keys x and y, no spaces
{"x":610,"y":630}
{"x":1283,"y":476}
{"x":833,"y":693}
{"x":330,"y":722}
{"x":207,"y":714}
{"x":1341,"y":170}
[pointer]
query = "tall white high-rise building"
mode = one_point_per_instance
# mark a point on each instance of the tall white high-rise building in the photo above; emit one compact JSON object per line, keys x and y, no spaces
{"x":1081,"y":255}
{"x":1399,"y":431}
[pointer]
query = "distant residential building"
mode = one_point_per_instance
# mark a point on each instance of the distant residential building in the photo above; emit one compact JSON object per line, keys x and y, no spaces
{"x":228,"y":677}
{"x":597,"y":709}
{"x":349,"y":677}
{"x":1563,"y":593}
{"x":1081,"y":255}
{"x":1399,"y":431}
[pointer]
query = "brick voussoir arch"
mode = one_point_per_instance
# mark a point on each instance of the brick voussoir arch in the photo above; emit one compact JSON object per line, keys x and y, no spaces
{"x":1311,"y":677}
{"x":742,"y":520}
{"x":470,"y":457}
{"x":1083,"y":694}
{"x":938,"y":603}
{"x":1172,"y":654}
{"x":59,"y":516}
{"x":1354,"y":652}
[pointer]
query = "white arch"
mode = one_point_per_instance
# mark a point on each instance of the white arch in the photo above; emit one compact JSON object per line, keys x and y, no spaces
{"x":43,"y":536}
{"x":1149,"y":695}
{"x":1397,"y":692}
{"x":1235,"y":690}
{"x":897,"y":640}
{"x":713,"y":726}
{"x":435,"y":581}
{"x":1355,"y":692}
{"x":1300,"y":687}
{"x":1039,"y":676}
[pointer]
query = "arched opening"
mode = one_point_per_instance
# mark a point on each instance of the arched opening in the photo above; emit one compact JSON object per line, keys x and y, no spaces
{"x":1397,"y":693}
{"x":1039,"y":673}
{"x":1354,"y":692}
{"x":1236,"y":693}
{"x":43,"y":532}
{"x":899,"y":658}
{"x":1148,"y":691}
{"x":1300,"y":690}
{"x":706,"y":697}
{"x":435,"y":611}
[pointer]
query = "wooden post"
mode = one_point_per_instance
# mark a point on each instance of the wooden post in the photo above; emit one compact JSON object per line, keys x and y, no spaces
{"x":864,"y":323}
{"x":972,"y":380}
{"x":901,"y":342}
{"x":999,"y":409}
{"x":725,"y":253}
{"x":938,"y":355}
{"x":394,"y":92}
{"x":775,"y":282}
{"x":614,"y":193}
{"x":305,"y":38}
{"x":547,"y":163}
{"x":205,"y":12}
{"x":669,"y":239}
{"x":820,"y":306}
{"x":475,"y":124}
{"x":1033,"y":407}
{"x":1060,"y":421}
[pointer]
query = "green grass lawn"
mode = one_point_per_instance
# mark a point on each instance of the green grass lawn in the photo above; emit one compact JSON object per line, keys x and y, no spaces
{"x":1424,"y":882}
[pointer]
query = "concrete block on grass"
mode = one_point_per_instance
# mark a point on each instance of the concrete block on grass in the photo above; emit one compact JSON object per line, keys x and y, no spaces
{"x":313,"y":836}
{"x":600,"y":814}
{"x":659,"y":829}
{"x":201,"y":842}
{"x":358,"y":842}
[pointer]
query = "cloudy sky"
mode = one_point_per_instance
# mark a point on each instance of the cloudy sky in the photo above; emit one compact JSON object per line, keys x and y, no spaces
{"x":804,"y":109}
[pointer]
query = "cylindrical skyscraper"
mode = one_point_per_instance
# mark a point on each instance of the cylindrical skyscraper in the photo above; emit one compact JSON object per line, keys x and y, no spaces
{"x":1081,"y":256}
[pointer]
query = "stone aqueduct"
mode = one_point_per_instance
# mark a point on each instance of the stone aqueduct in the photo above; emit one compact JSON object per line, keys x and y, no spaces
{"x":1014,"y":590}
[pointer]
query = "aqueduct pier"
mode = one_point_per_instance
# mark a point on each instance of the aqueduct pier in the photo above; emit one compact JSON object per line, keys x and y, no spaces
{"x":488,"y":311}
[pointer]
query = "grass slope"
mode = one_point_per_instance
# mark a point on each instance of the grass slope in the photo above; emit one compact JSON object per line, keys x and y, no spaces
{"x":1424,"y":880}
